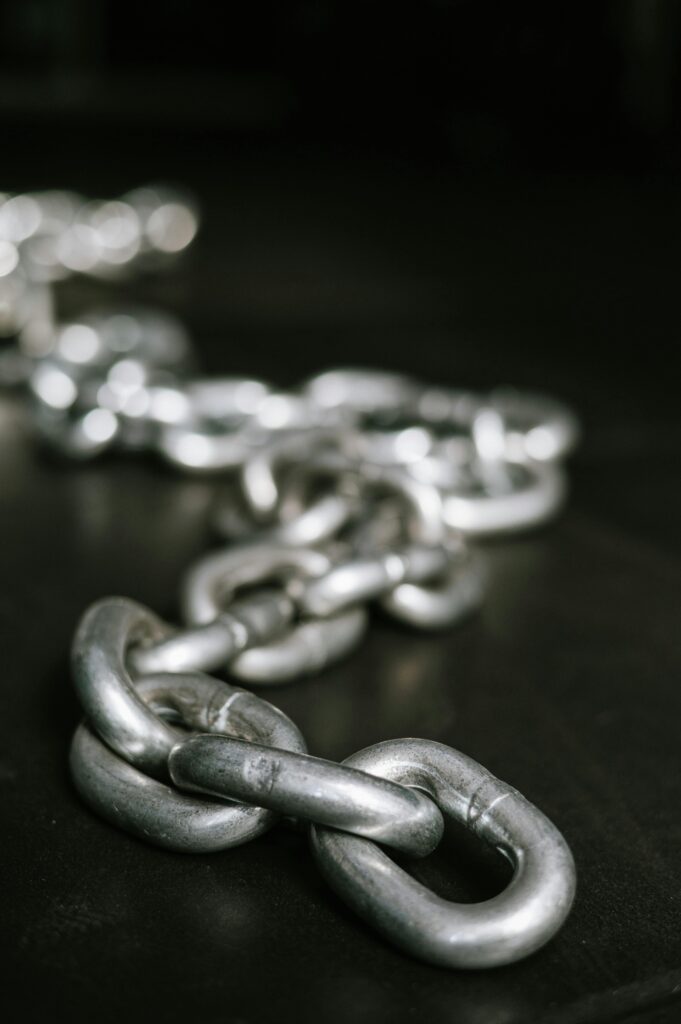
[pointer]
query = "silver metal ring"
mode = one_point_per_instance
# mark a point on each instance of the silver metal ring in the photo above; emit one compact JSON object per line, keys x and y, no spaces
{"x":309,"y":647}
{"x":443,"y":602}
{"x":531,"y":504}
{"x":253,"y":620}
{"x":422,"y":500}
{"x":213,"y":582}
{"x":259,"y":475}
{"x":499,"y":931}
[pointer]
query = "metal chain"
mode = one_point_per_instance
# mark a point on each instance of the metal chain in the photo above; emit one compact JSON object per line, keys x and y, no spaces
{"x":359,"y":487}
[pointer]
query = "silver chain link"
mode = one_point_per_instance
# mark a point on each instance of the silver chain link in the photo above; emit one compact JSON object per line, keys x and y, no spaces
{"x":358,"y":487}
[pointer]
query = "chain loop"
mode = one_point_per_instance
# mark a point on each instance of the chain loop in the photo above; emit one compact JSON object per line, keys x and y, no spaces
{"x":511,"y":925}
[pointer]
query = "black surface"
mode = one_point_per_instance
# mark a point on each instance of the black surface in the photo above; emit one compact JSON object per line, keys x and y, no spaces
{"x":565,"y":686}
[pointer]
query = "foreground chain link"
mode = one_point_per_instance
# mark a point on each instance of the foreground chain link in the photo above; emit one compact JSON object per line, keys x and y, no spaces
{"x":251,"y":760}
{"x":359,"y":487}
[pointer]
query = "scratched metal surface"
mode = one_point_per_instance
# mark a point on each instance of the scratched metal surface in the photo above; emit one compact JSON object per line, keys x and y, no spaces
{"x":565,"y":686}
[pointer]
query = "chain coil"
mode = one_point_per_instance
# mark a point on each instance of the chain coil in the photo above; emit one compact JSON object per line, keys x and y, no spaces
{"x":359,"y":487}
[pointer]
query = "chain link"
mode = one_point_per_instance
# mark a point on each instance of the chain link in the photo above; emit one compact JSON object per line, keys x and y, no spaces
{"x":359,"y":487}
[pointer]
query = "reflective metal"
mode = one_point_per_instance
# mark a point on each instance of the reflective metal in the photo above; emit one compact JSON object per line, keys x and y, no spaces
{"x":538,"y":495}
{"x":213,"y":581}
{"x":537,"y":426}
{"x":422,"y":501}
{"x":308,"y":787}
{"x":309,"y":647}
{"x":316,"y":524}
{"x":384,"y":475}
{"x":251,"y":621}
{"x":501,"y":930}
{"x":204,"y":449}
{"x":226,"y":399}
{"x":361,"y":390}
{"x":61,"y":233}
{"x":218,"y":429}
{"x":105,"y":688}
{"x":259,"y":474}
{"x":157,"y":812}
{"x":364,"y":579}
{"x":442,"y":602}
{"x":109,"y":378}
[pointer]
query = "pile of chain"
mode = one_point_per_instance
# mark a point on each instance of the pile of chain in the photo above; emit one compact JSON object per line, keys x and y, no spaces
{"x":359,"y":487}
{"x":46,"y":237}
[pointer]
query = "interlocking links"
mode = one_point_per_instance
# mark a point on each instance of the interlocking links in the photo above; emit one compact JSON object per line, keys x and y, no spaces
{"x":214,"y":580}
{"x":309,"y":787}
{"x":531,"y":496}
{"x":157,"y":812}
{"x":48,"y":236}
{"x":394,"y":793}
{"x":499,"y":931}
{"x":307,"y":647}
{"x":117,"y":636}
{"x":357,"y":487}
{"x":425,"y":585}
{"x":492,"y":456}
{"x":250,"y":621}
{"x":214,"y":426}
{"x":351,"y":477}
{"x":535,"y":426}
{"x":109,"y":379}
{"x":216,"y":438}
{"x":259,"y":473}
{"x":58,"y":233}
{"x":448,"y":599}
{"x":364,"y":579}
{"x":428,"y":585}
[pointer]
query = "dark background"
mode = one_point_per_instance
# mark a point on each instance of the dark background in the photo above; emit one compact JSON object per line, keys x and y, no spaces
{"x":476,"y":193}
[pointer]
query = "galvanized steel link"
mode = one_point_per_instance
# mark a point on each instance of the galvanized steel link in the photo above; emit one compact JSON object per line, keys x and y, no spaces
{"x":501,"y":930}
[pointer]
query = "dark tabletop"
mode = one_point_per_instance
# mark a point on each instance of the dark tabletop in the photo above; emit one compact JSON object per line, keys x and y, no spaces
{"x":566,"y":685}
